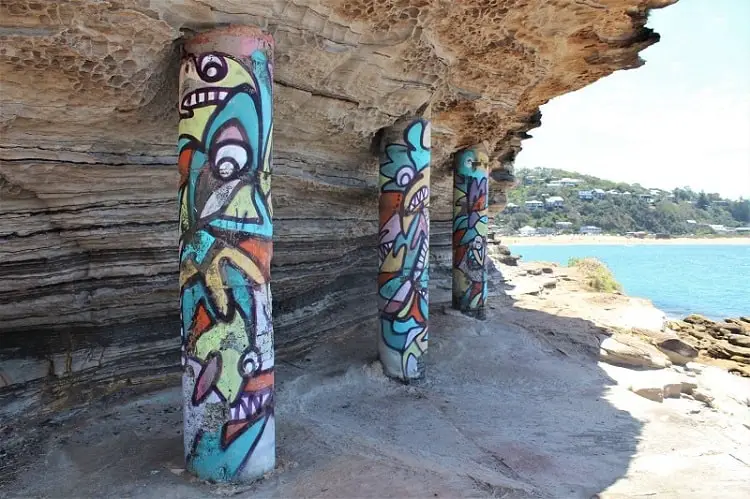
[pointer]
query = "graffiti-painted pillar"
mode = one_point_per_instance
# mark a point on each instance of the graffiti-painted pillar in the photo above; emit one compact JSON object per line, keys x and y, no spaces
{"x":470,"y":231}
{"x":404,"y":241}
{"x":224,"y":148}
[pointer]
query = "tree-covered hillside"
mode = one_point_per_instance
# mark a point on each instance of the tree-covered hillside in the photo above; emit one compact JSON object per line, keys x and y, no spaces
{"x":616,"y":207}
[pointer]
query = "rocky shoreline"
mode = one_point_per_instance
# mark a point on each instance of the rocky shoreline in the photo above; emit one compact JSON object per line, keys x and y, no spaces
{"x":659,"y":359}
{"x":724,"y":343}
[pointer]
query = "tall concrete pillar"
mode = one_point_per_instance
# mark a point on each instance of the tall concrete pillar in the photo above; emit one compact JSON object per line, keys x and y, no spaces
{"x":470,"y":231}
{"x":225,"y":141}
{"x":404,"y":242}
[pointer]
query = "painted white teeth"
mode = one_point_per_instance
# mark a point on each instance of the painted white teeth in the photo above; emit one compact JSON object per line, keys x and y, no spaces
{"x":203,"y":97}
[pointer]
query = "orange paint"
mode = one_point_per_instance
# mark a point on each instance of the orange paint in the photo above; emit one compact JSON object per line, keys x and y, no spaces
{"x":232,"y":430}
{"x":384,"y":277}
{"x":259,"y":382}
{"x":390,"y":202}
{"x":201,"y":321}
{"x":183,"y":163}
{"x":261,"y":252}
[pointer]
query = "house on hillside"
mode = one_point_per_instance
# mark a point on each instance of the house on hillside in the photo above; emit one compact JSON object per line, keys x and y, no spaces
{"x":570,"y":182}
{"x":599,"y":193}
{"x":590,"y":230}
{"x":563,"y":226}
{"x":554,"y":202}
{"x":512,"y":208}
{"x":533,"y":205}
{"x":527,"y":230}
{"x":585,"y":195}
{"x":614,"y":192}
{"x":554,"y":184}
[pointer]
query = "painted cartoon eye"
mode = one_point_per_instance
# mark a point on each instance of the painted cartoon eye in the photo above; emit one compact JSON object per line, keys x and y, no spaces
{"x":250,"y":362}
{"x":230,"y":159}
{"x":404,"y":176}
{"x":478,"y":243}
{"x":469,"y":163}
{"x":212,"y":68}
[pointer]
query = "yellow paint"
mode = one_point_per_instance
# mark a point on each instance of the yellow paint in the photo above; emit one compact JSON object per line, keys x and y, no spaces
{"x":230,"y":340}
{"x":417,"y":348}
{"x":460,"y":282}
{"x":196,"y":125}
{"x":394,"y":261}
{"x":266,"y":166}
{"x":184,"y":215}
{"x":211,"y":271}
{"x":405,"y":311}
{"x":241,"y":205}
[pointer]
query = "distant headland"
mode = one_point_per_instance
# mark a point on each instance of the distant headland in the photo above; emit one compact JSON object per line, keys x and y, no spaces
{"x":552,"y":202}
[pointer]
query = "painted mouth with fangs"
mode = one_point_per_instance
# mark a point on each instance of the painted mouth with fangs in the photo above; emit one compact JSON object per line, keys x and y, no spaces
{"x":384,"y":249}
{"x":254,"y":402}
{"x":418,"y":199}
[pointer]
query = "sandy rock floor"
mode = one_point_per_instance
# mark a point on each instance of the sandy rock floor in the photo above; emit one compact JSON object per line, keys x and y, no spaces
{"x":515,"y":406}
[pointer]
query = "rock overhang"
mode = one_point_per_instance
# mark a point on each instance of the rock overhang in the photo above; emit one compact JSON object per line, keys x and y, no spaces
{"x":88,"y":176}
{"x":100,"y":76}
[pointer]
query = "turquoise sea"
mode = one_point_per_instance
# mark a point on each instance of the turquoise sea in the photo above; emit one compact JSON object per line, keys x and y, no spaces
{"x":713,"y":280}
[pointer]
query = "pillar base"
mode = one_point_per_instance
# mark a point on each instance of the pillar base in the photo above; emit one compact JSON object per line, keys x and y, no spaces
{"x":479,"y":314}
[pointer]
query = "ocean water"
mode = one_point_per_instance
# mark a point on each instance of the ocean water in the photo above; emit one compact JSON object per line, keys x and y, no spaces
{"x":713,"y":280}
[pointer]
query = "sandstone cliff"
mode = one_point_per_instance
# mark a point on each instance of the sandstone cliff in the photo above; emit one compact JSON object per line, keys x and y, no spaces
{"x":88,"y":252}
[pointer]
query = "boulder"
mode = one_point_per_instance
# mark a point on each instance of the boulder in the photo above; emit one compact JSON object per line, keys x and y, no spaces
{"x":698,"y":319}
{"x":628,"y":351}
{"x":535,"y":271}
{"x":550,"y":284}
{"x":503,"y":250}
{"x":655,"y":393}
{"x":677,"y":350}
{"x":510,"y":260}
{"x":548,"y":270}
{"x":702,"y":396}
{"x":672,"y":390}
{"x":731,"y":326}
{"x":739,"y":340}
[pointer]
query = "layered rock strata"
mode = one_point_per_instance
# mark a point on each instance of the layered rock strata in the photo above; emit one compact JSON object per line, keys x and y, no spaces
{"x":88,"y":230}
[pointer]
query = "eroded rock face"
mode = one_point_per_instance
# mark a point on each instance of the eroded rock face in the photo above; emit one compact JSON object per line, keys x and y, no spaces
{"x":88,"y":237}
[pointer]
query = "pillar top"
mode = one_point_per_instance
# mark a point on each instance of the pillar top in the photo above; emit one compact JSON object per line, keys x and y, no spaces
{"x":233,"y":39}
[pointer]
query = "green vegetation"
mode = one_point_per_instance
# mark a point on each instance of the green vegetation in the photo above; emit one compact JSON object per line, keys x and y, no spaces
{"x":598,"y":276}
{"x":678,"y":212}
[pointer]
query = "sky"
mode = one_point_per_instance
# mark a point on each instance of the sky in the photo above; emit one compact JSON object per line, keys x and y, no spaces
{"x":682,"y":119}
